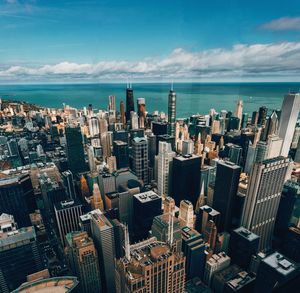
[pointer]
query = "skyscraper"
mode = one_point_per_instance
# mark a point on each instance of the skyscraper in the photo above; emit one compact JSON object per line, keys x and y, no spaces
{"x":122,"y":113}
{"x":16,"y":193}
{"x":164,"y":168}
{"x":75,"y":152}
{"x":186,"y":178}
{"x":83,"y":261}
{"x":129,"y":102}
{"x":19,"y":254}
{"x":103,"y":235}
{"x":186,"y":214}
{"x":226,"y":187}
{"x":276,"y":273}
{"x":121,"y":153}
{"x":146,"y":206}
{"x":263,"y":197}
{"x":140,"y":158}
{"x":243,"y":244}
{"x":172,"y":112}
{"x":154,"y":267}
{"x":289,"y":115}
{"x":67,"y":214}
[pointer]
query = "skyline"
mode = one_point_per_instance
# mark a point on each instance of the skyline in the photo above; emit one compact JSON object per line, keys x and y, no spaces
{"x":100,"y":41}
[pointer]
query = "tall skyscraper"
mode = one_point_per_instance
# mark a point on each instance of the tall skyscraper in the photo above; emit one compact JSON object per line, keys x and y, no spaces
{"x":129,"y":102}
{"x":140,"y":158}
{"x":19,"y":254}
{"x":289,"y":115}
{"x":67,"y":215}
{"x":263,"y":196}
{"x":226,"y":187}
{"x":262,"y":116}
{"x":83,"y":261}
{"x":121,"y":153}
{"x":153,"y":267}
{"x":103,"y":235}
{"x":75,"y":152}
{"x":68,"y":180}
{"x":239,"y":110}
{"x":172,"y":112}
{"x":146,"y":206}
{"x":141,"y":110}
{"x":164,"y":168}
{"x":186,"y":178}
{"x":122,"y":113}
{"x":16,"y":193}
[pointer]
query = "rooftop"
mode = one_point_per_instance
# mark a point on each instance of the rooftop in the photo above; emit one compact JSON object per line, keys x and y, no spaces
{"x":246,"y":234}
{"x":57,"y":285}
{"x":68,"y":204}
{"x":209,"y":210}
{"x":147,"y":196}
{"x":280,"y":263}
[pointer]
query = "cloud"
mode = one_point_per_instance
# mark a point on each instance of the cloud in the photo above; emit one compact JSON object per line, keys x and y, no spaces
{"x":240,"y":61}
{"x":283,"y":24}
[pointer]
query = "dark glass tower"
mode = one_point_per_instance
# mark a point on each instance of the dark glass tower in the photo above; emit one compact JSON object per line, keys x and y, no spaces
{"x":17,"y":198}
{"x":186,"y":178}
{"x":226,"y":186}
{"x":75,"y":150}
{"x":129,"y":102}
{"x":172,"y":112}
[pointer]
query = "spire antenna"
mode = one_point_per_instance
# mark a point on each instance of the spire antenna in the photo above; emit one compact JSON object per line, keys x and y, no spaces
{"x":172,"y":85}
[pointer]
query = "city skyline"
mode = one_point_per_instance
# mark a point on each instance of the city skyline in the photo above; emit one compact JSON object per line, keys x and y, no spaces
{"x":98,"y":41}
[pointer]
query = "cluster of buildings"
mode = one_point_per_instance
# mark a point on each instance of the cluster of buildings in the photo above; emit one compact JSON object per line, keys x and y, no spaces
{"x":122,"y":200}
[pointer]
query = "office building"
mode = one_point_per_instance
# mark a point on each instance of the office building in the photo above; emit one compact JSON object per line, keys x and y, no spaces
{"x":159,"y":128}
{"x":129,"y":102}
{"x":96,"y":198}
{"x":214,"y":264}
{"x":146,"y":206}
{"x":67,"y":214}
{"x":140,"y":158}
{"x":186,"y":214}
{"x":75,"y":151}
{"x":163,"y":225}
{"x":171,"y":112}
{"x":103,"y":236}
{"x":225,"y":192}
{"x":262,"y":116}
{"x":19,"y":253}
{"x":121,"y":153}
{"x":68,"y":181}
{"x":83,"y":261}
{"x":122,"y":113}
{"x":277,"y":271}
{"x":150,"y":266}
{"x":289,"y":115}
{"x":17,"y":198}
{"x":186,"y":178}
{"x":243,"y":244}
{"x":204,"y":215}
{"x":263,"y":196}
{"x":193,"y":247}
{"x":164,"y":169}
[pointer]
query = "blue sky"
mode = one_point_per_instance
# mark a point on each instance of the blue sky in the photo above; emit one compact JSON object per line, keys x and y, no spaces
{"x":149,"y":40}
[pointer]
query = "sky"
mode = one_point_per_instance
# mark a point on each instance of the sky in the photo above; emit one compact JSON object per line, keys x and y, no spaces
{"x":182,"y":40}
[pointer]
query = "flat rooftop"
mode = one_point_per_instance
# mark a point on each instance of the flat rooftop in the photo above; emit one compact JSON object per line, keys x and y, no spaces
{"x":57,"y":285}
{"x":147,"y":196}
{"x":280,"y":263}
{"x":246,"y":234}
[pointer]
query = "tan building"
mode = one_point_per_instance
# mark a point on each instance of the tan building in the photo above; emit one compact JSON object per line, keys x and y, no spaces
{"x":150,"y":266}
{"x":83,"y":261}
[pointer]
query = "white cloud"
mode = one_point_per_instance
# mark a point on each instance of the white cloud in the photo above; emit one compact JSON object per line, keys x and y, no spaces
{"x":240,"y":61}
{"x":283,"y":24}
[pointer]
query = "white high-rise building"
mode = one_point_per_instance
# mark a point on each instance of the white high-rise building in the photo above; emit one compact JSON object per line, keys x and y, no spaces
{"x":263,"y":196}
{"x":94,"y":127}
{"x":164,"y":167}
{"x":289,"y":115}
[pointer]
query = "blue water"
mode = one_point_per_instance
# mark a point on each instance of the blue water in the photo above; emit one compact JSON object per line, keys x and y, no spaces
{"x":191,"y":97}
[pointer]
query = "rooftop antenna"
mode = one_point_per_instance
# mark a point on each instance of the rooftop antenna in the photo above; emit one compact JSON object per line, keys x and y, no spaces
{"x":172,"y":85}
{"x":127,"y":83}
